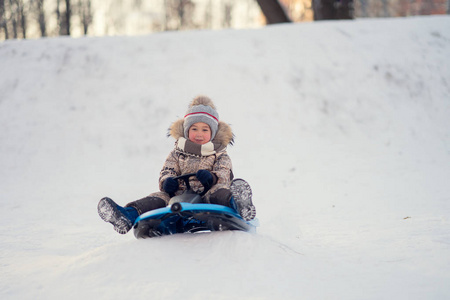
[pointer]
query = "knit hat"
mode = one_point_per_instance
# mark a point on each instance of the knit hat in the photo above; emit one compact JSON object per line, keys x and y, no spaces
{"x":201,"y":109}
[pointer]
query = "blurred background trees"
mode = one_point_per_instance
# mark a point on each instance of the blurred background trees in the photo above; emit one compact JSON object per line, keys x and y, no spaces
{"x":47,"y":18}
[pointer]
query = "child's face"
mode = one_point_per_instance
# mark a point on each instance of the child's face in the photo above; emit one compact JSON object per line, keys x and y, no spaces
{"x":200,"y":133}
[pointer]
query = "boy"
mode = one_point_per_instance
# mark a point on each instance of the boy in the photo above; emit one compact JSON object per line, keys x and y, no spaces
{"x":201,"y":141}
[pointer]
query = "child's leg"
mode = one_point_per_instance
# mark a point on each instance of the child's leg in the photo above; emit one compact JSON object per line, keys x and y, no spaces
{"x":123,"y":218}
{"x":147,"y":204}
{"x":238,"y":197}
{"x":221,"y":197}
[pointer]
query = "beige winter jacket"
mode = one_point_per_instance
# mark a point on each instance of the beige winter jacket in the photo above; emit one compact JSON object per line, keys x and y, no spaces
{"x":180,"y":161}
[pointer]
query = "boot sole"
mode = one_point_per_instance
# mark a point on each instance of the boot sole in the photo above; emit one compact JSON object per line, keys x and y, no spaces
{"x":107,"y":210}
{"x":242,"y":194}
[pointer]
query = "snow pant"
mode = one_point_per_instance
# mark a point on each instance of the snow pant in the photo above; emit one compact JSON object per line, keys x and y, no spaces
{"x":147,"y":204}
{"x":221,"y":196}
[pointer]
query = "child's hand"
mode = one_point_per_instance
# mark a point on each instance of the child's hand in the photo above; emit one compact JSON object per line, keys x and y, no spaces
{"x":206,"y":178}
{"x":170,"y":185}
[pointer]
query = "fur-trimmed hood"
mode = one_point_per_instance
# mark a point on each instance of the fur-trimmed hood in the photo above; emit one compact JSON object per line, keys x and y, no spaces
{"x":224,"y":134}
{"x":203,"y":105}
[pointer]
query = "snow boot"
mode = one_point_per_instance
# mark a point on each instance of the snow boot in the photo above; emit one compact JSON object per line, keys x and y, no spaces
{"x":121,"y":217}
{"x":242,"y":198}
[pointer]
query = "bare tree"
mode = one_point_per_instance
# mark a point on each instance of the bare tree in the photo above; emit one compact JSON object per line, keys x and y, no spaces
{"x":17,"y":18}
{"x":385,"y":8}
{"x":86,"y":14}
{"x":364,"y":8}
{"x":23,"y":19}
{"x":3,"y":20}
{"x":63,"y":17}
{"x":68,"y":16}
{"x":41,"y":17}
{"x":59,"y":17}
{"x":185,"y":11}
{"x":273,"y":11}
{"x":179,"y":14}
{"x":227,"y":14}
{"x":208,"y":15}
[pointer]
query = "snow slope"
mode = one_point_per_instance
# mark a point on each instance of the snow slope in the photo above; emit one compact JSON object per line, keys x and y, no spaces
{"x":342,"y":129}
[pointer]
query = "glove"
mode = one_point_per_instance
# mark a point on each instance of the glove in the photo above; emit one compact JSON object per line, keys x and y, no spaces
{"x":170,"y":185}
{"x":206,"y":178}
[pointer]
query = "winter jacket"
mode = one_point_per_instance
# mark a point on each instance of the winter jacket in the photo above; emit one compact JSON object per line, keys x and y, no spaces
{"x":182,"y":160}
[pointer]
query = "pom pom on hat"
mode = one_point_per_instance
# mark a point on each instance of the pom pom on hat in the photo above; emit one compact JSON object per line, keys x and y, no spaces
{"x":201,"y":109}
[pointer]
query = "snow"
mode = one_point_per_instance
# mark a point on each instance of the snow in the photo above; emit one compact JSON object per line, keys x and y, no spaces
{"x":342,"y":130}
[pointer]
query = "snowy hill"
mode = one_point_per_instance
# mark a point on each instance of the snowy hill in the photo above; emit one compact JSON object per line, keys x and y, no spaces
{"x":342,"y":129}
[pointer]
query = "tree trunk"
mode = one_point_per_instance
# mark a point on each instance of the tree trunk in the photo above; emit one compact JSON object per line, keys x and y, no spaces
{"x":332,"y":9}
{"x":85,"y":14}
{"x":23,"y":19}
{"x":14,"y":19}
{"x":41,"y":18}
{"x":273,"y":11}
{"x":3,"y":21}
{"x":68,"y":16}
{"x":364,"y":8}
{"x":227,"y":15}
{"x":385,"y":8}
{"x":59,"y":18}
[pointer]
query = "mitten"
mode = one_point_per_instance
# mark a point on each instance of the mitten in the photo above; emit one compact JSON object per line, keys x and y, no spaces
{"x":170,"y":185}
{"x":206,"y":178}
